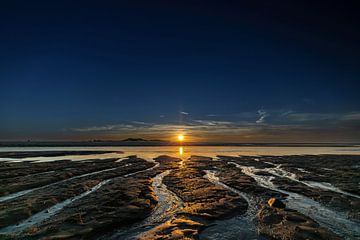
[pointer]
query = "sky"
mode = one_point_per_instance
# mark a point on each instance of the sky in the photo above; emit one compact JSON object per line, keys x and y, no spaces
{"x":217,"y":71}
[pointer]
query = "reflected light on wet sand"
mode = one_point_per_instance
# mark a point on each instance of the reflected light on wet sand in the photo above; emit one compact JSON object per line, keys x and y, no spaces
{"x":175,"y":151}
{"x":181,"y":151}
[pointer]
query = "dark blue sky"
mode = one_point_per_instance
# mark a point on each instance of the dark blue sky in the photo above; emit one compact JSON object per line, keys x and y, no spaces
{"x":111,"y":69}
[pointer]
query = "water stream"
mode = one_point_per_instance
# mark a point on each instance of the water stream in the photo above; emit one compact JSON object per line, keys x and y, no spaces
{"x":168,"y":204}
{"x":40,"y":217}
{"x":336,"y":221}
{"x":24,"y":192}
{"x":280,"y":172}
{"x":238,"y":227}
{"x":47,"y":213}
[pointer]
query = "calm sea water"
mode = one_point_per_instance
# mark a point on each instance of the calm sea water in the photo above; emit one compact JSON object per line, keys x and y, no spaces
{"x":182,"y":152}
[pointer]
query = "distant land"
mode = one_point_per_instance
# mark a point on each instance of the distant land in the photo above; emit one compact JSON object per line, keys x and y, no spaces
{"x":154,"y":142}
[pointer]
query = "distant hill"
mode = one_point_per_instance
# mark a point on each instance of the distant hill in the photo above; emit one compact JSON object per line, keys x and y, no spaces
{"x":134,"y":140}
{"x":141,"y":140}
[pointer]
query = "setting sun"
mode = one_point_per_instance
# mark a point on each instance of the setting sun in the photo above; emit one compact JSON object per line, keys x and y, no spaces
{"x":181,"y":137}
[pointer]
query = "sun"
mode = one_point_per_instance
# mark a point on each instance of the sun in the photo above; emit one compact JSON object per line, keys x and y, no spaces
{"x":180,"y":137}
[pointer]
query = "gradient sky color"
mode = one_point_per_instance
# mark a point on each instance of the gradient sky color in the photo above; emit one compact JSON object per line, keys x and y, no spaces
{"x":228,"y":71}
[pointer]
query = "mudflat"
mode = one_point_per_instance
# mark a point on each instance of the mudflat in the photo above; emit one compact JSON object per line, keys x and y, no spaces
{"x":313,"y":197}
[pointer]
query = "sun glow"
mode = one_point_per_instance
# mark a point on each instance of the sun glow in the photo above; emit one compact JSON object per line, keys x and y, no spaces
{"x":180,"y":137}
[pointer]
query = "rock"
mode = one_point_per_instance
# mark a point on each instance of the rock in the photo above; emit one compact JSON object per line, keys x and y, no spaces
{"x":276,"y":203}
{"x":296,"y":218}
{"x":285,"y":224}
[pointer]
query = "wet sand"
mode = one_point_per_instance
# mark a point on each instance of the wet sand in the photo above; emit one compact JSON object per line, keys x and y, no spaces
{"x":166,"y":197}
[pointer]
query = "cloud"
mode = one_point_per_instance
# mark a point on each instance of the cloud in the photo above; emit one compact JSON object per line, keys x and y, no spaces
{"x":103,"y":128}
{"x":184,"y":113}
{"x":139,"y":126}
{"x":262,"y":115}
{"x":213,"y":123}
{"x":305,"y":117}
{"x":320,"y":120}
{"x":282,"y":126}
{"x":353,"y":116}
{"x":286,"y":113}
{"x":139,"y":123}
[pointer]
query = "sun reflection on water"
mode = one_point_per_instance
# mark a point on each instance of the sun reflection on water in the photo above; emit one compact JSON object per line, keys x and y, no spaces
{"x":181,"y":151}
{"x":181,"y":156}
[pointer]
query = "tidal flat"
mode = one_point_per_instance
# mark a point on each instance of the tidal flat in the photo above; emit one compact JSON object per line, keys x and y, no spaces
{"x":123,"y":195}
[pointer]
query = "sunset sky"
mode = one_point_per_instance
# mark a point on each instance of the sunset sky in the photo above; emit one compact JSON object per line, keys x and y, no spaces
{"x":218,"y":71}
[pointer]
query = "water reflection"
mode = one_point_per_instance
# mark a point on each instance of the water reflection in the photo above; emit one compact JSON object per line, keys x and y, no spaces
{"x":149,"y":153}
{"x":181,"y":151}
{"x":181,"y":156}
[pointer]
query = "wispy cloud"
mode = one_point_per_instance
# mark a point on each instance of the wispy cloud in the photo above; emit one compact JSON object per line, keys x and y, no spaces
{"x":140,"y":123}
{"x":283,"y":125}
{"x":184,"y":113}
{"x":213,"y":123}
{"x":304,"y":117}
{"x":262,"y":116}
{"x":282,"y":119}
{"x":352,"y":116}
{"x":323,"y":117}
{"x":286,"y":113}
{"x":190,"y":125}
{"x":103,"y":128}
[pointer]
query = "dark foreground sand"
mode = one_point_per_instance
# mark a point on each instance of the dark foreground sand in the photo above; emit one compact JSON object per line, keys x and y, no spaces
{"x":171,"y":198}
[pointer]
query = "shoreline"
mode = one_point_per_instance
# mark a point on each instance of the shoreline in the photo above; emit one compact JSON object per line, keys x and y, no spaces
{"x":205,"y":195}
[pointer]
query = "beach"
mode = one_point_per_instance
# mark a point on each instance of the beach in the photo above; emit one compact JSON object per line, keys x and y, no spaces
{"x":180,"y":193}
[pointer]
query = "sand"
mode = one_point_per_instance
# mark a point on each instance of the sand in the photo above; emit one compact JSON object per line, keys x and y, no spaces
{"x":172,"y":198}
